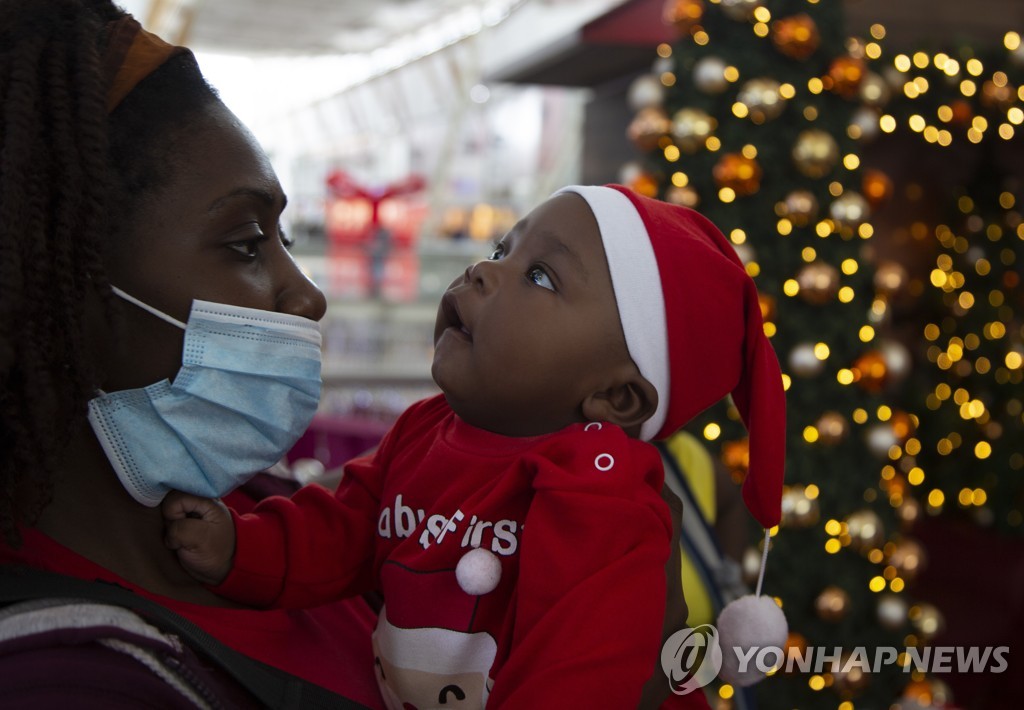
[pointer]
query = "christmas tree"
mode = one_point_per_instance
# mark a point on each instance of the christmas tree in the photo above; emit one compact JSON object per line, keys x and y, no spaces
{"x":759,"y":116}
{"x":762,"y":116}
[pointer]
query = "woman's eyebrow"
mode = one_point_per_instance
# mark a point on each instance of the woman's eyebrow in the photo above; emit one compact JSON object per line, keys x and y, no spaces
{"x":265,"y":196}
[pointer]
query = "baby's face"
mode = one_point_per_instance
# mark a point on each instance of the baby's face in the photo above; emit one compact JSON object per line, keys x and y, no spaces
{"x":522,"y":338}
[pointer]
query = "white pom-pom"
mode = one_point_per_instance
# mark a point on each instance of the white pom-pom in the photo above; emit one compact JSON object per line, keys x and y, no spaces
{"x":746,"y":624}
{"x":478,"y":572}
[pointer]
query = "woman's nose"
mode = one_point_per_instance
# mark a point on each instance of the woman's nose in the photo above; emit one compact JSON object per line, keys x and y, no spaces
{"x":299,"y":296}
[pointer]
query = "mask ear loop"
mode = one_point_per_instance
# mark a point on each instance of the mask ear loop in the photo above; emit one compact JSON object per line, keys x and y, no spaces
{"x":148,"y":308}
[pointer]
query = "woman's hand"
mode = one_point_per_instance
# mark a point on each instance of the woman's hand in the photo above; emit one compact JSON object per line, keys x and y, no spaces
{"x":202,"y":533}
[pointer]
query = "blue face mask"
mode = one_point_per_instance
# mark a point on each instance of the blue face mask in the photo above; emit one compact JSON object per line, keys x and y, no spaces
{"x":248,"y":388}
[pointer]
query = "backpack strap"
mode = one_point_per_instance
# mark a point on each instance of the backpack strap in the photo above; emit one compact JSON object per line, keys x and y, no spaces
{"x":271,"y":686}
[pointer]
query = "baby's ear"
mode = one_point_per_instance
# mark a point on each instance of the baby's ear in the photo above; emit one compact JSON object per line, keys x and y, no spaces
{"x":628,"y":403}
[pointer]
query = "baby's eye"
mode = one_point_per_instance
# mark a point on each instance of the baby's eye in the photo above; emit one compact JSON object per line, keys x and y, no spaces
{"x":540,"y":277}
{"x":499,"y":251}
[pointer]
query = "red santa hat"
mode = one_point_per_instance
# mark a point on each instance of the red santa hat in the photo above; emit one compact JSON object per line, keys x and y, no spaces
{"x":692,"y":322}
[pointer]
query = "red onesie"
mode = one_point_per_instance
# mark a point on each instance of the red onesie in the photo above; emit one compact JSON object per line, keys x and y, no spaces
{"x":561,"y":606}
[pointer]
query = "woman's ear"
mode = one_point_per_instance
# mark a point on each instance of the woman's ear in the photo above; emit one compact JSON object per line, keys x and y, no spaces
{"x":628,"y":403}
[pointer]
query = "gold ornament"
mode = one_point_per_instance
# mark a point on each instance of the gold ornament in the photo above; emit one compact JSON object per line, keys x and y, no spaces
{"x":880,"y":439}
{"x":745,"y":252}
{"x":750,"y":565}
{"x":874,"y":90}
{"x":869,"y":371}
{"x":832,"y":428}
{"x":876,"y":186}
{"x":1017,"y":55}
{"x":685,"y":196}
{"x":849,"y":209}
{"x":645,"y":91}
{"x":864,"y":124}
{"x":908,"y":557}
{"x":691,"y":129}
{"x":798,"y":510}
{"x":762,"y":99}
{"x":818,"y":282}
{"x":927,"y":620}
{"x":865,"y":530}
{"x":803,"y":362}
{"x":815,"y":153}
{"x":832,"y":604}
{"x":709,"y":75}
{"x":855,"y":47}
{"x":997,"y":97}
{"x":845,"y":76}
{"x":909,"y":511}
{"x":890,"y":278}
{"x":800,"y":207}
{"x":738,"y":172}
{"x":850,"y":679}
{"x":796,"y":36}
{"x":648,"y":127}
{"x":740,"y":10}
{"x":927,"y":693}
{"x":891,"y":612}
{"x":684,"y":15}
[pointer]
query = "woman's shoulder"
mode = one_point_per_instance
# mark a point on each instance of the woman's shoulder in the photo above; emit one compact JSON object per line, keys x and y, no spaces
{"x":57,"y":652}
{"x":320,"y":640}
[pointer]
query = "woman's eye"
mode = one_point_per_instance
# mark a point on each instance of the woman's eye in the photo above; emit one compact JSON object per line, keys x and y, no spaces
{"x":540,"y":277}
{"x":248,"y":248}
{"x":499,"y":251}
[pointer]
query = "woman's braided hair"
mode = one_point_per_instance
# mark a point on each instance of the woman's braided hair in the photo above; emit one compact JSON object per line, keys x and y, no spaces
{"x":70,"y":175}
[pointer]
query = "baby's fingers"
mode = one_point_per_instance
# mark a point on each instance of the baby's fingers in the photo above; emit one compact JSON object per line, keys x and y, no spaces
{"x":178,"y":505}
{"x":186,"y":533}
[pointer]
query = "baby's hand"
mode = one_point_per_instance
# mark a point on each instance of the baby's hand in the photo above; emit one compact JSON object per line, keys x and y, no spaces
{"x":202,"y":532}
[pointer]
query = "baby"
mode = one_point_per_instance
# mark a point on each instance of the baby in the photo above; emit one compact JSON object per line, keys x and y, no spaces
{"x":514,"y":523}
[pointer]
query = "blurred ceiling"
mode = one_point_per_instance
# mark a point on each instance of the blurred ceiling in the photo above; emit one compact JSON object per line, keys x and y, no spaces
{"x":300,"y":26}
{"x":359,"y":26}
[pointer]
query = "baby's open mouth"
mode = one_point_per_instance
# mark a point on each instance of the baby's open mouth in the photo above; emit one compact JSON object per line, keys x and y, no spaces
{"x":452,"y":316}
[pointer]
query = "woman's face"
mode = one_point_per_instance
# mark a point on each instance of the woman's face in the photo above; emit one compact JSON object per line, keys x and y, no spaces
{"x":212,"y":232}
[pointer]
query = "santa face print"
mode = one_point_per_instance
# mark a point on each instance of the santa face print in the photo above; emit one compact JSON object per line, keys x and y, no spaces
{"x":414,"y":670}
{"x":524,"y":336}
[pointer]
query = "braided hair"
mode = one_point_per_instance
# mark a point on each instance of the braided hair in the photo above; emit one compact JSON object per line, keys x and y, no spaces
{"x":70,"y":176}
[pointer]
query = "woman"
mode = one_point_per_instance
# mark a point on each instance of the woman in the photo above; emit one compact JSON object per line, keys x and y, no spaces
{"x":162,"y":193}
{"x":128,"y":191}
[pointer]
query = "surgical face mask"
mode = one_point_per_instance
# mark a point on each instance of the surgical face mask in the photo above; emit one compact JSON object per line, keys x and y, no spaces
{"x":247,"y":389}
